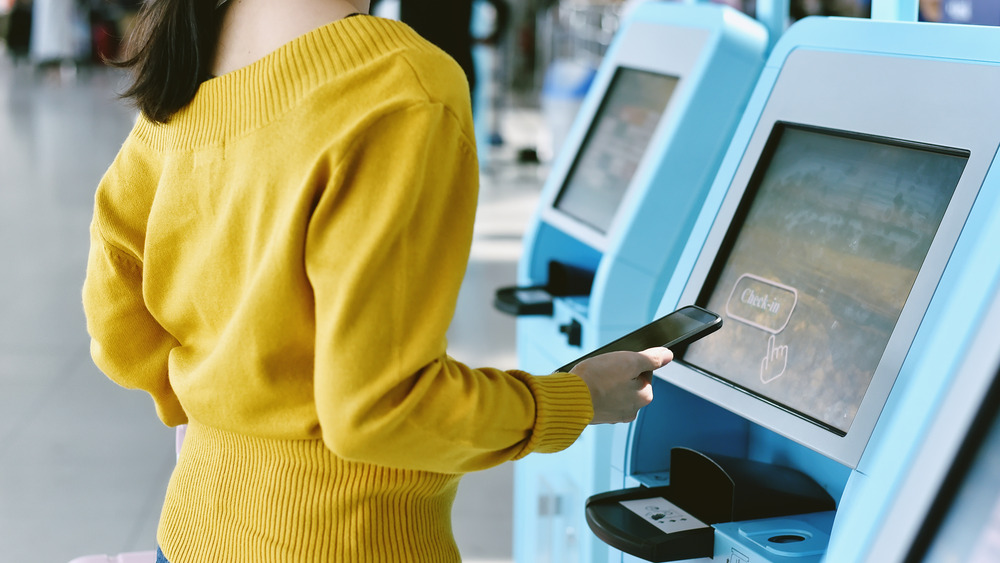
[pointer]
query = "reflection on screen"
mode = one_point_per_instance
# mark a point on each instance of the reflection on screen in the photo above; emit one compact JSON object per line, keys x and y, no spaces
{"x":610,"y":153}
{"x":818,"y":263}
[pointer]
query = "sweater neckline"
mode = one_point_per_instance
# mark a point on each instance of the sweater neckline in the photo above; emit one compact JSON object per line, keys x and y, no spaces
{"x":213,"y":76}
{"x":250,"y":97}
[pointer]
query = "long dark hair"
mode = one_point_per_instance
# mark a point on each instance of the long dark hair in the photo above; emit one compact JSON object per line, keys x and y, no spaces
{"x":169,"y":54}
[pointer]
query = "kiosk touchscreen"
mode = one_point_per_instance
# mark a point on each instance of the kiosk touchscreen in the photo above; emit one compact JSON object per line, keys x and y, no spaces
{"x":839,"y":222}
{"x":612,"y":220}
{"x":815,"y":268}
{"x":611,"y":149}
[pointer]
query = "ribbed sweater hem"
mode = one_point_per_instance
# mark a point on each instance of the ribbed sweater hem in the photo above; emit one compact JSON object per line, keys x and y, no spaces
{"x":235,"y":498}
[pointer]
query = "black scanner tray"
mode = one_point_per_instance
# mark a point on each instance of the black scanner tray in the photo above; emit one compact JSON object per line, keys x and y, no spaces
{"x":711,"y":488}
{"x":564,"y":280}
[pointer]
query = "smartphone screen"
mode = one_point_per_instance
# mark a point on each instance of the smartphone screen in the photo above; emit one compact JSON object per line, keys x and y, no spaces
{"x":677,"y":329}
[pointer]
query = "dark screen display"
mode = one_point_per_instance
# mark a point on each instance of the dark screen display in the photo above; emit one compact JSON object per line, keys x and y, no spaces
{"x":818,"y":263}
{"x":611,"y":151}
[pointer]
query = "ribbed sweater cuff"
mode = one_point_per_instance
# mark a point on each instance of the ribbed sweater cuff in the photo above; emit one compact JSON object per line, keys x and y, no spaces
{"x":563,"y":408}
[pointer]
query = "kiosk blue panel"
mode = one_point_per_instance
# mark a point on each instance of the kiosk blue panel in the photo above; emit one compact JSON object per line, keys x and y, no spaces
{"x":847,"y":241}
{"x":612,"y":220}
{"x":916,"y":476}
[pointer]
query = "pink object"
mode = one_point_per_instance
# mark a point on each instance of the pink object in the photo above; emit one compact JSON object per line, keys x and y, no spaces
{"x":131,"y":557}
{"x":179,"y":437}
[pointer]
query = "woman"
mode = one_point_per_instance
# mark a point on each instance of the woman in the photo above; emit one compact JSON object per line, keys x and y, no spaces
{"x":276,"y":255}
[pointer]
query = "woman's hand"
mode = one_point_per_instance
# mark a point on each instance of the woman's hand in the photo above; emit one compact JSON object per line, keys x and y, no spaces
{"x":621,"y":383}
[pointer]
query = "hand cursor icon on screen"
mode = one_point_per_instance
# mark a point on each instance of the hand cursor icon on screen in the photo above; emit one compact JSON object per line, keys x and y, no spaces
{"x":774,"y":363}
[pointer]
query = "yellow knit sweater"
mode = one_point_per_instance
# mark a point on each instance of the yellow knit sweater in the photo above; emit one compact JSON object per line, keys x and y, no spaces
{"x":277,"y":266}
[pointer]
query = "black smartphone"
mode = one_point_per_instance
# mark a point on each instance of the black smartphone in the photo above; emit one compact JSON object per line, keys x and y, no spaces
{"x":678,"y":329}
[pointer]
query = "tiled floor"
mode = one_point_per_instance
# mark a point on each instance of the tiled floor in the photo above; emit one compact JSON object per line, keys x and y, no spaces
{"x":83,"y":463}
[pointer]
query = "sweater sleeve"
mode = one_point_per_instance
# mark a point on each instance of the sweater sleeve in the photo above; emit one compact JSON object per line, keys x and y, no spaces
{"x":127,"y":343}
{"x":386,"y":252}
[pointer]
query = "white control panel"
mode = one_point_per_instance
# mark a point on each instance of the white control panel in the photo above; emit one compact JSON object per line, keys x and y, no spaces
{"x":663,"y":514}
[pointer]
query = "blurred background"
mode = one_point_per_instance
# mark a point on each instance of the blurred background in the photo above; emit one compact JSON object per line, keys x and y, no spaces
{"x":83,"y":464}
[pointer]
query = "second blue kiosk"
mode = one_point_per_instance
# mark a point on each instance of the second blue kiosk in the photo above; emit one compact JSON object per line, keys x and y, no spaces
{"x":635,"y":168}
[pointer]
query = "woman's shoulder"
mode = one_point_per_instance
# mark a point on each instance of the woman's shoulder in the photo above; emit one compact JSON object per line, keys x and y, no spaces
{"x":375,"y":65}
{"x":399,"y":60}
{"x":344,"y":73}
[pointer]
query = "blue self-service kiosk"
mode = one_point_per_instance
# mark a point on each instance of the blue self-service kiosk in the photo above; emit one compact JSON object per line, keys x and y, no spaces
{"x":612,"y":220}
{"x":836,"y":240}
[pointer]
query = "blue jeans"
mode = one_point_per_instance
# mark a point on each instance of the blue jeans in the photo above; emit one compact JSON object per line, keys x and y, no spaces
{"x":160,"y":558}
